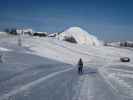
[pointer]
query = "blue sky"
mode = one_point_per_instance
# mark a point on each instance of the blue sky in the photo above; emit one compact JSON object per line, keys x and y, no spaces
{"x":107,"y":19}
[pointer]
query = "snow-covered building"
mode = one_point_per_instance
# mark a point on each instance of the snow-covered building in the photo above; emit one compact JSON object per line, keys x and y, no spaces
{"x":81,"y":36}
{"x":25,"y":31}
{"x":53,"y":35}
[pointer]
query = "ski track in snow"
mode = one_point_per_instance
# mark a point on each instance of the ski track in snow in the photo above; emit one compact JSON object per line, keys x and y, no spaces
{"x":32,"y":84}
{"x":84,"y":93}
{"x":119,"y":80}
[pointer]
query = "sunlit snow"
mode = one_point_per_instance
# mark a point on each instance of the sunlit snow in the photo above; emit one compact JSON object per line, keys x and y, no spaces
{"x":81,"y":36}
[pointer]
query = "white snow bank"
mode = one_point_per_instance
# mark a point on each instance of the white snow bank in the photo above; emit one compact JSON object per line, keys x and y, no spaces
{"x":4,"y":49}
{"x":81,"y":36}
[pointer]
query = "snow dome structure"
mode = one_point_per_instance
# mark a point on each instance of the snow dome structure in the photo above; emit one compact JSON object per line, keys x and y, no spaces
{"x":81,"y":36}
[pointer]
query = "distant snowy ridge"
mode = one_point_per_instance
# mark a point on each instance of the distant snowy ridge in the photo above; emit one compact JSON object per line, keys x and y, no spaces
{"x":81,"y":36}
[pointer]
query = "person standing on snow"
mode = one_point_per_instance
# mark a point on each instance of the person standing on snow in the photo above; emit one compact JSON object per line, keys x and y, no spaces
{"x":80,"y":66}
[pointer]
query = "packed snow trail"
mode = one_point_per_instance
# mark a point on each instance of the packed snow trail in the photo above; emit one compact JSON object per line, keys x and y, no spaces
{"x":66,"y":86}
{"x":120,"y":78}
{"x":31,"y":84}
{"x":93,"y":87}
{"x":55,"y":86}
{"x":30,"y":77}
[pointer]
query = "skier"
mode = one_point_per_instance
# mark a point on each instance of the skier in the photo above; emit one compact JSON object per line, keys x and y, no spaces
{"x":80,"y":66}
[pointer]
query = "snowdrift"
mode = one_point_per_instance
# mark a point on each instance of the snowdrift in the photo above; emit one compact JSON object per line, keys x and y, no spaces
{"x":81,"y":36}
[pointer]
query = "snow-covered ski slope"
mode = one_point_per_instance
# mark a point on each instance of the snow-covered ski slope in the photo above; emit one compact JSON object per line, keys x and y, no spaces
{"x":44,"y":69}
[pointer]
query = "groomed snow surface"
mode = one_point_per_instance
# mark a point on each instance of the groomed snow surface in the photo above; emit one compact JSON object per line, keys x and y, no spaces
{"x":45,"y":69}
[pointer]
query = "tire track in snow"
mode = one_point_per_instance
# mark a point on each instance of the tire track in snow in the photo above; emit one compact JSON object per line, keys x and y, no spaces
{"x":32,"y":84}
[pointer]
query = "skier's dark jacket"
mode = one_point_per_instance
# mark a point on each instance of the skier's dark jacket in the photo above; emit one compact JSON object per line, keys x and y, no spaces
{"x":80,"y":63}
